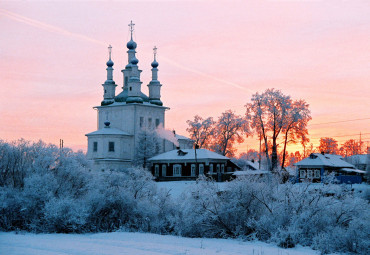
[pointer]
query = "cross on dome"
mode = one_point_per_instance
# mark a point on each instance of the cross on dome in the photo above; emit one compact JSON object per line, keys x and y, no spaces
{"x":155,"y":51}
{"x":110,"y":51}
{"x":131,"y":25}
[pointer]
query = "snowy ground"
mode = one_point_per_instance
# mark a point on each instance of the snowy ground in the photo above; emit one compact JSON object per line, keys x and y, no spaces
{"x":133,"y":244}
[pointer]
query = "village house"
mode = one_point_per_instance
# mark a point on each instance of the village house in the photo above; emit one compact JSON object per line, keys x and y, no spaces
{"x":189,"y":164}
{"x":359,"y":161}
{"x":318,"y":166}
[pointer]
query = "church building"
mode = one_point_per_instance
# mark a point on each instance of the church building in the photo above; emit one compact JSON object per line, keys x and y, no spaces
{"x":122,"y":117}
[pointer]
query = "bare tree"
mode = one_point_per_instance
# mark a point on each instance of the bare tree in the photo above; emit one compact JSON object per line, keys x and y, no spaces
{"x":267,"y":113}
{"x":201,"y":130}
{"x":230,"y":128}
{"x":148,"y":147}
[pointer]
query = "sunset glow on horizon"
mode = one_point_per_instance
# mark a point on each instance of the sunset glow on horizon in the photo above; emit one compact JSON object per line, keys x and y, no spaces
{"x":212,"y":57}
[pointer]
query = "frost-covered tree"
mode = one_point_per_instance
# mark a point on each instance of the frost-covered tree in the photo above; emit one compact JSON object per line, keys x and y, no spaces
{"x":295,"y":125}
{"x":328,"y":145}
{"x":229,"y":128}
{"x":148,"y":147}
{"x":201,"y":130}
{"x":351,"y":147}
{"x":267,"y":113}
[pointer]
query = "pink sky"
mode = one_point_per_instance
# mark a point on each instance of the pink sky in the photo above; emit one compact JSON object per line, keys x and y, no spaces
{"x":213,"y":56}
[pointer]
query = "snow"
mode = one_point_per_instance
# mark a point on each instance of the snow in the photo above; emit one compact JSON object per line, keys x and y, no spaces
{"x":108,"y":131}
{"x":176,"y":188}
{"x":190,"y":155}
{"x":133,"y":243}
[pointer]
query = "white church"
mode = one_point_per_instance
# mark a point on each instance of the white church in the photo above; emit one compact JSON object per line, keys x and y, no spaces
{"x":123,"y":116}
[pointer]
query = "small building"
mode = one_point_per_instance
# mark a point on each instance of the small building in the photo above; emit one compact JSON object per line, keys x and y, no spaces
{"x":319,"y":165}
{"x":359,"y":161}
{"x":189,"y":164}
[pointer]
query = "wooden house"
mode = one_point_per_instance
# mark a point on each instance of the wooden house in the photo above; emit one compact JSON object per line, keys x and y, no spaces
{"x":318,"y":166}
{"x":189,"y":164}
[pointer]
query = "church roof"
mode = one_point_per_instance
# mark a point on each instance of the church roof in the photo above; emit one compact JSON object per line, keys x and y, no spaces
{"x":108,"y":131}
{"x":188,"y":154}
{"x":121,"y":97}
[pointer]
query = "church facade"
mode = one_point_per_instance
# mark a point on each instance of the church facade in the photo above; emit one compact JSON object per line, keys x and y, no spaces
{"x":121,"y":117}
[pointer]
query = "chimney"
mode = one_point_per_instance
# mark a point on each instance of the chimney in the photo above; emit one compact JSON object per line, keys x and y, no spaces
{"x":323,"y":153}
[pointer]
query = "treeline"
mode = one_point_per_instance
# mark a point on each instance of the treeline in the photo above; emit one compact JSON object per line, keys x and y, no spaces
{"x":277,"y":121}
{"x":44,"y":189}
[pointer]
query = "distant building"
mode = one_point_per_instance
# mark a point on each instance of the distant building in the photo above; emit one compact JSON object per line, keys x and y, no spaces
{"x":189,"y":164}
{"x":121,"y":118}
{"x":319,"y":165}
{"x":359,"y":161}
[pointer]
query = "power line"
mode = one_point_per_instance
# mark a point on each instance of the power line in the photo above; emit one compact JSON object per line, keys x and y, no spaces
{"x":339,"y":135}
{"x":332,"y":122}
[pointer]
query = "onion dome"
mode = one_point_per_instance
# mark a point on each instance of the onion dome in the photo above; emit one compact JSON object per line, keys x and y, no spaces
{"x":107,"y":123}
{"x":110,"y":63}
{"x":134,"y":61}
{"x":131,"y":45}
{"x":155,"y":64}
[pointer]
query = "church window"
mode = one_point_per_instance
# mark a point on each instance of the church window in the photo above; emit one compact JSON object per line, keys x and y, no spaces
{"x":192,"y":170}
{"x":141,"y":122}
{"x":150,"y":123}
{"x":130,"y":88}
{"x":211,"y":168}
{"x":105,"y":91}
{"x":164,"y":170}
{"x":95,"y":146}
{"x":177,"y":170}
{"x":201,"y":169}
{"x":111,"y":146}
{"x":156,"y":170}
{"x":156,"y":122}
{"x":126,"y":80}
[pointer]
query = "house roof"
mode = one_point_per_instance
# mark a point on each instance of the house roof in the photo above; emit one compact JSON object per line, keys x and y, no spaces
{"x":181,"y":137}
{"x":189,"y":154}
{"x":318,"y":159}
{"x":253,"y":165}
{"x":108,"y":131}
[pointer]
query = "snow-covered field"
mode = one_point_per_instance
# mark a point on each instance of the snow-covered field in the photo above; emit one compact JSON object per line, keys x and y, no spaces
{"x":133,"y":244}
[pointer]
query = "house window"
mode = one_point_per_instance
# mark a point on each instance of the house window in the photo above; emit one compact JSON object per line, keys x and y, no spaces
{"x":156,"y":170}
{"x":156,"y":122}
{"x":150,"y":123}
{"x":302,"y":173}
{"x":141,"y":122}
{"x":95,"y":146}
{"x":177,"y":170}
{"x":317,"y":174}
{"x":309,"y":174}
{"x":201,"y":169}
{"x":192,"y":170}
{"x":211,"y":168}
{"x":218,"y":168}
{"x":222,"y":168}
{"x":164,"y":170}
{"x":111,"y":147}
{"x":229,"y":169}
